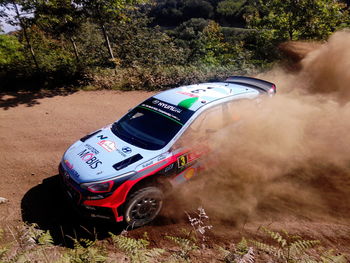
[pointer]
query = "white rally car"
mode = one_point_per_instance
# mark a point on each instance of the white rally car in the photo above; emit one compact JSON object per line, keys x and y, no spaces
{"x":122,"y":171}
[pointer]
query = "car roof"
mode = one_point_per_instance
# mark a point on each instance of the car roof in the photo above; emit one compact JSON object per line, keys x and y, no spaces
{"x":195,"y":96}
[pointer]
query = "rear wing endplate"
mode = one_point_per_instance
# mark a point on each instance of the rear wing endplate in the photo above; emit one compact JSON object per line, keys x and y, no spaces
{"x":259,"y":84}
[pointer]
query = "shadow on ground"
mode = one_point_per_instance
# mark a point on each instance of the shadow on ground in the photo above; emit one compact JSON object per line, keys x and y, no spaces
{"x":30,"y":98}
{"x":46,"y":206}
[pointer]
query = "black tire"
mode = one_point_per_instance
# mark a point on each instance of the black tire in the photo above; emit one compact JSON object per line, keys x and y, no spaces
{"x":143,"y":206}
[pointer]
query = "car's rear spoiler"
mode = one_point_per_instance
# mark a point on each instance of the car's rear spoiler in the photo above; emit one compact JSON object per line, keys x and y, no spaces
{"x":259,"y":84}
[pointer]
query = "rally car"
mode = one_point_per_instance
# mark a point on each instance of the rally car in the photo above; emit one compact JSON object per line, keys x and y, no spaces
{"x":123,"y":171}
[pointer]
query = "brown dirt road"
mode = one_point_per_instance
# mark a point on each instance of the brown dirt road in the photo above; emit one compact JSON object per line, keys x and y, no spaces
{"x":33,"y":139}
{"x":305,"y":189}
{"x":35,"y":130}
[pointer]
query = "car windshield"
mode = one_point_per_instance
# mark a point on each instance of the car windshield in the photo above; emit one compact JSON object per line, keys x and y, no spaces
{"x":152,"y":124}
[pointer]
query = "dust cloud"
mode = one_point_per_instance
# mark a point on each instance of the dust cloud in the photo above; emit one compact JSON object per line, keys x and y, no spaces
{"x":287,"y":157}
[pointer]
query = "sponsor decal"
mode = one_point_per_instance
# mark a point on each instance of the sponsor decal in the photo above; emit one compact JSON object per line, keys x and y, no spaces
{"x":182,"y":161}
{"x":161,"y":111}
{"x":162,"y":156}
{"x":91,"y":149}
{"x":189,"y":173}
{"x":121,"y":153}
{"x":89,"y":158}
{"x":126,"y":150}
{"x":184,"y":176}
{"x":71,"y":169}
{"x":187,"y":158}
{"x":175,"y":112}
{"x":68,"y":164}
{"x":147,"y":164}
{"x":101,"y":137}
{"x":168,"y":168}
{"x":197,"y":91}
{"x":187,"y":103}
{"x":188,"y":94}
{"x":109,"y":146}
{"x":167,"y":106}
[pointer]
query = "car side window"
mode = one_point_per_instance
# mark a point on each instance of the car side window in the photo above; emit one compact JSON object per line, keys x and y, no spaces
{"x":205,"y":124}
{"x":212,"y":119}
{"x":232,"y":113}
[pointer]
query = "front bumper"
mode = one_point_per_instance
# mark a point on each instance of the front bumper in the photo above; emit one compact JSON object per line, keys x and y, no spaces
{"x":75,"y":197}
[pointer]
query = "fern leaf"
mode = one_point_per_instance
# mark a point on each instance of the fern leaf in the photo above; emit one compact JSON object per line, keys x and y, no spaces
{"x":45,"y":238}
{"x":136,"y":249}
{"x":264,"y":247}
{"x":329,"y":257}
{"x":242,"y":246}
{"x":309,"y":260}
{"x":276,"y":236}
{"x":183,"y":242}
{"x":300,"y":246}
{"x":223,"y":251}
{"x":155,"y":252}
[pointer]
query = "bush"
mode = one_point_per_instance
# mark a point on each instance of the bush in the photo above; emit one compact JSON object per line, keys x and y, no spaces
{"x":160,"y":77}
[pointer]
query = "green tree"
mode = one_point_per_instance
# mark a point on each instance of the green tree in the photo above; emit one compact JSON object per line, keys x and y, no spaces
{"x":214,"y":46}
{"x":105,"y":12}
{"x":140,"y":44}
{"x":54,"y":56}
{"x":57,"y":18}
{"x":231,"y":7}
{"x":217,"y":50}
{"x":297,"y":19}
{"x":188,"y":36}
{"x":19,"y":19}
{"x":10,"y":51}
{"x":92,"y":48}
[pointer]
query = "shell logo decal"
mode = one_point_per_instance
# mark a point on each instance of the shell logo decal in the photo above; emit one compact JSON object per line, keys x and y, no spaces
{"x":190,"y":173}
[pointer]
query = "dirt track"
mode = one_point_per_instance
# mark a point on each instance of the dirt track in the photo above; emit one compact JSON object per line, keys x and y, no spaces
{"x":35,"y":131}
{"x":33,"y":140}
{"x":305,"y":189}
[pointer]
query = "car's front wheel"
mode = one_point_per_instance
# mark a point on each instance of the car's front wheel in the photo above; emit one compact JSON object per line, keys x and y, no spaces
{"x":143,"y":206}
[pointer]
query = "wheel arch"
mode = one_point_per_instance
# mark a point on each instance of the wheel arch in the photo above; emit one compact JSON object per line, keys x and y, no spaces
{"x":153,"y":180}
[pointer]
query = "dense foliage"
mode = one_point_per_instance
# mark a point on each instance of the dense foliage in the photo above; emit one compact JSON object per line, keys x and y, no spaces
{"x":139,"y":44}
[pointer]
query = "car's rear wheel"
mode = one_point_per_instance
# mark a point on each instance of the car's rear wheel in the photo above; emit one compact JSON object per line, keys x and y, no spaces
{"x":143,"y":206}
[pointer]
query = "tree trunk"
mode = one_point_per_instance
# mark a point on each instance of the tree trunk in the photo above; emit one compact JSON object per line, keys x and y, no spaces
{"x":71,"y":39}
{"x":290,"y":34}
{"x":25,"y":35}
{"x":74,"y":48}
{"x":107,"y":41}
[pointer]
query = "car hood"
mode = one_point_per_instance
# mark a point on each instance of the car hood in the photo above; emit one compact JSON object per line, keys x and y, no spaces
{"x":103,"y":156}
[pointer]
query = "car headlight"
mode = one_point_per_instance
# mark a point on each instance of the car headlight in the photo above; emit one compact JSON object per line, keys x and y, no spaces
{"x":104,"y":186}
{"x":98,"y":188}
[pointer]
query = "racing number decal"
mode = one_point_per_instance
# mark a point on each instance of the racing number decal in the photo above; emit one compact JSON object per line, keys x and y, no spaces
{"x":182,"y":161}
{"x":198,"y":91}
